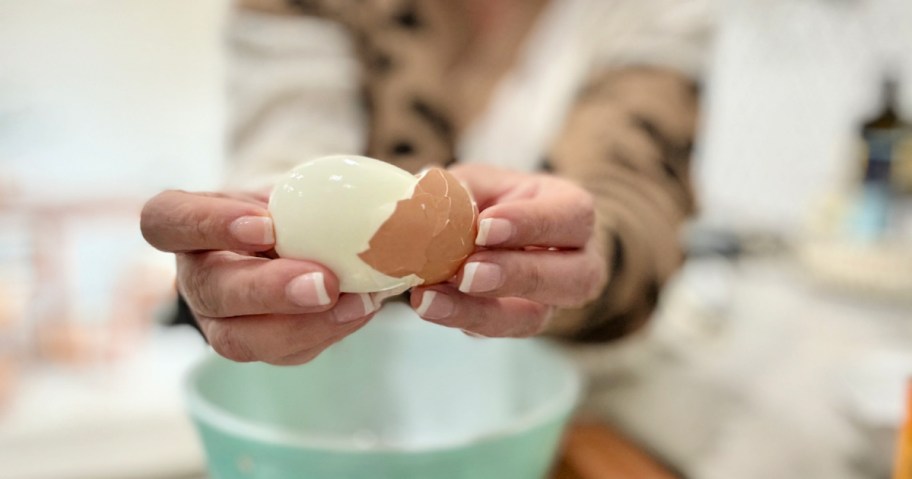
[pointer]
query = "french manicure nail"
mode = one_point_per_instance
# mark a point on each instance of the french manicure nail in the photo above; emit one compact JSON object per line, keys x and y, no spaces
{"x":478,"y":277}
{"x":308,"y":290}
{"x":352,"y":307}
{"x":435,"y":305}
{"x":253,"y":230}
{"x":493,"y":231}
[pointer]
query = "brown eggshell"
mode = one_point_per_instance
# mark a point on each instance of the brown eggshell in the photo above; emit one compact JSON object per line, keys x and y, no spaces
{"x":429,"y":234}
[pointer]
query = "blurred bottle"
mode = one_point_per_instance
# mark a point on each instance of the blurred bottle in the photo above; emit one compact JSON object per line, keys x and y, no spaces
{"x":860,"y":238}
{"x":881,"y":206}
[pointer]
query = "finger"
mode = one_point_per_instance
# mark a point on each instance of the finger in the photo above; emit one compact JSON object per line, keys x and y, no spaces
{"x":223,"y":284}
{"x":490,"y":317}
{"x":260,"y":198}
{"x":308,"y":355}
{"x":523,"y":210}
{"x":275,"y":337}
{"x":177,"y":221}
{"x":561,"y":216}
{"x":236,"y":338}
{"x":487,"y":183}
{"x":559,"y":278}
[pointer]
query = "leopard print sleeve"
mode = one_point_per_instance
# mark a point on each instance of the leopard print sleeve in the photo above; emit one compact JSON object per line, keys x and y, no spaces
{"x":628,"y":141}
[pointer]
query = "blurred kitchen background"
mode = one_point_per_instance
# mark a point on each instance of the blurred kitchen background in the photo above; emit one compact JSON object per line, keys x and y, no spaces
{"x":781,"y":350}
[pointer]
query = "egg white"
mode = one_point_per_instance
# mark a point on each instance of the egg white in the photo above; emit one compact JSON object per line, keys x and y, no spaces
{"x":327,"y":210}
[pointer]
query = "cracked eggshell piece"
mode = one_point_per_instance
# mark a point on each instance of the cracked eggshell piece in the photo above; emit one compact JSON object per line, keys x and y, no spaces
{"x":376,"y":226}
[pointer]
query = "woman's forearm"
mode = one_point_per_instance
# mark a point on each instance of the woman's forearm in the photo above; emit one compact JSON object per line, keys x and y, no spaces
{"x":628,"y":141}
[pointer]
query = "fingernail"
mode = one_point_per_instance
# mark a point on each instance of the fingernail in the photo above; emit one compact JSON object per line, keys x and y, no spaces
{"x":493,"y":231}
{"x":352,"y":307}
{"x":435,"y":305}
{"x":308,"y":290}
{"x":473,"y":335}
{"x":253,"y":230}
{"x":480,"y":277}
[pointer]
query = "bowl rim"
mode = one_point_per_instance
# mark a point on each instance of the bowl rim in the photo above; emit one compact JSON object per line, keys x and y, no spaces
{"x":213,"y":416}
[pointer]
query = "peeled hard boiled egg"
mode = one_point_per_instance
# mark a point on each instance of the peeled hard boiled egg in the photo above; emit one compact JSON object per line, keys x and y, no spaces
{"x":376,"y":226}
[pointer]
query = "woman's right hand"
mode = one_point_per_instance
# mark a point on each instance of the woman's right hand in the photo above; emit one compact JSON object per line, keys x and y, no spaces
{"x":249,"y":306}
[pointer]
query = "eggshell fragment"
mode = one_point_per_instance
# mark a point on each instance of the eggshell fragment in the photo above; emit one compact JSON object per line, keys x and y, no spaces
{"x":429,"y":234}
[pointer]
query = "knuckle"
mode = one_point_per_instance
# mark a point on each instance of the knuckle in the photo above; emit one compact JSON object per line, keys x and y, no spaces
{"x":583,"y":288}
{"x":532,"y":228}
{"x":586,"y":208}
{"x":190,"y":223}
{"x":206,"y":225}
{"x":478,"y":320}
{"x":181,"y":206}
{"x":533,"y":281}
{"x":583,"y":214}
{"x":228,"y":344}
{"x":542,"y":228}
{"x":197,"y":285}
{"x":259,"y":293}
{"x":595,"y":283}
{"x":588,"y":287}
{"x":296,"y":359}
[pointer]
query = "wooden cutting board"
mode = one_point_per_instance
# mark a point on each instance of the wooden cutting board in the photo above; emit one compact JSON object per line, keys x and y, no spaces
{"x":597,"y":451}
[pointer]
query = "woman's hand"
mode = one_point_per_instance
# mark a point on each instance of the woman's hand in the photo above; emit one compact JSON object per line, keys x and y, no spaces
{"x":539,"y":252}
{"x":250,"y":307}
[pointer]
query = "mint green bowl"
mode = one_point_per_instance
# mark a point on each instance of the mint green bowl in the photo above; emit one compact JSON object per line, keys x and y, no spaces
{"x":400,"y":399}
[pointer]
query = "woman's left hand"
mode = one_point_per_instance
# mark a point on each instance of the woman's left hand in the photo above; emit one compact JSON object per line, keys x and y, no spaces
{"x":538,"y":251}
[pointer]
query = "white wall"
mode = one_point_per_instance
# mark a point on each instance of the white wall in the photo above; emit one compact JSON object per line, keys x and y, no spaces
{"x":102,"y":99}
{"x":789,"y":81}
{"x":105,"y":97}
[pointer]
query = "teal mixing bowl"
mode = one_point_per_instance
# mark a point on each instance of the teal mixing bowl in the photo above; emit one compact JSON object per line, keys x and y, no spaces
{"x":400,"y":399}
